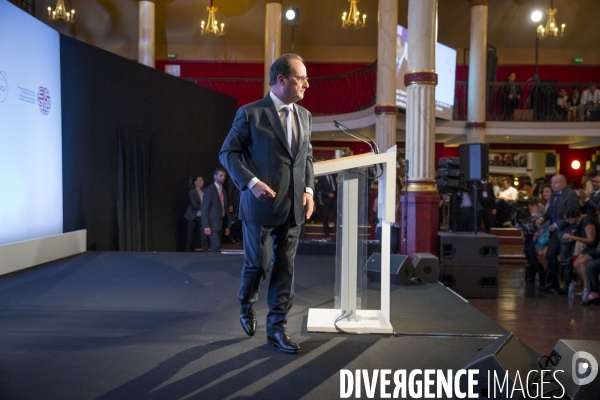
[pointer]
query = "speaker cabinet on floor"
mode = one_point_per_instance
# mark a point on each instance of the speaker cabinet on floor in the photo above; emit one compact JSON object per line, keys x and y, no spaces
{"x":579,"y":360}
{"x":427,"y":267}
{"x":462,"y":249}
{"x":401,"y":269}
{"x":471,"y":282}
{"x":505,"y":354}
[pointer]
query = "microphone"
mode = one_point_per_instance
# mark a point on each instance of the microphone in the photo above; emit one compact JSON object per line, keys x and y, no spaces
{"x":341,"y":127}
{"x":344,"y":128}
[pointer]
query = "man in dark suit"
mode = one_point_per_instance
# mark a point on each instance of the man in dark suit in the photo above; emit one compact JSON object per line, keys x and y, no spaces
{"x":511,"y":94}
{"x":269,"y":156}
{"x":193,"y":214}
{"x":488,"y":205}
{"x":327,"y":187}
{"x":563,"y":199}
{"x":214,"y":211}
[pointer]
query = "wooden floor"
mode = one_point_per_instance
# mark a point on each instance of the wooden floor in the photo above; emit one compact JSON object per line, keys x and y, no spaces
{"x":539,"y":318}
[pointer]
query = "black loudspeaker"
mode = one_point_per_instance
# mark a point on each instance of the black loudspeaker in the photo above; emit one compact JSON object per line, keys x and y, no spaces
{"x":471,"y":282}
{"x":401,"y":269}
{"x":504,"y":356}
{"x":462,"y":249}
{"x":475,"y":161}
{"x":427,"y":267}
{"x":579,"y":360}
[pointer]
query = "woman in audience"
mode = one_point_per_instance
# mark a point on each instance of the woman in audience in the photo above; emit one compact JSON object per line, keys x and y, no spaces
{"x":592,"y":269}
{"x":543,"y":235}
{"x":525,"y":223}
{"x":585,"y":232}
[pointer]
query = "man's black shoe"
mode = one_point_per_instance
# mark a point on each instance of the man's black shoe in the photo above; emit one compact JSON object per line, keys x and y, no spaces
{"x":282,"y":340}
{"x":590,"y":301}
{"x":249,"y":324}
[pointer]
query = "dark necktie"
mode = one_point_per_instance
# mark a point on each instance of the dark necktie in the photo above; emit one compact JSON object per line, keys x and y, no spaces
{"x":290,"y":132}
{"x":554,"y":210}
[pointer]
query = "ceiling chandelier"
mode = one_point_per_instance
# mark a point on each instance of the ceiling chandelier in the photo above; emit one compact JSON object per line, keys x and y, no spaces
{"x":351,"y":19}
{"x":211,"y":27}
{"x":551,"y":29}
{"x":60,"y":13}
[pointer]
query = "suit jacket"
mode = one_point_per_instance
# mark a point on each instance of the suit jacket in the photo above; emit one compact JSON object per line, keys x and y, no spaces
{"x":567,"y":199}
{"x":194,"y":207}
{"x":488,"y":201}
{"x":212,"y":212}
{"x":574,"y":101}
{"x":257,"y":146}
{"x":589,"y":207}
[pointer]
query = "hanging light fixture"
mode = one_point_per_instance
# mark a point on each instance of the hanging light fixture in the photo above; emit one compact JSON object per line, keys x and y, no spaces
{"x":551,"y":28}
{"x":211,"y":27}
{"x":351,"y":19}
{"x":60,"y":13}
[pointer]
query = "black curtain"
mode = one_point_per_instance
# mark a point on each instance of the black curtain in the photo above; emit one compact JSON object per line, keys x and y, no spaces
{"x":133,"y":190}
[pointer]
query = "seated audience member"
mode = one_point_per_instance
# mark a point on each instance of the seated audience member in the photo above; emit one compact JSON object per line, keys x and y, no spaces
{"x":589,"y":202}
{"x":590,"y":99}
{"x":537,"y":207}
{"x":539,"y":182}
{"x":528,"y":188}
{"x":585,"y":232}
{"x":592,"y":269}
{"x":495,"y":186}
{"x":505,"y":202}
{"x":562,"y":103}
{"x":525,"y":223}
{"x":574,"y":102}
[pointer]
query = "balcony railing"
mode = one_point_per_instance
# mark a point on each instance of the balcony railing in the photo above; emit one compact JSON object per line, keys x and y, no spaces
{"x":355,"y":91}
{"x":339,"y":94}
{"x":535,"y":102}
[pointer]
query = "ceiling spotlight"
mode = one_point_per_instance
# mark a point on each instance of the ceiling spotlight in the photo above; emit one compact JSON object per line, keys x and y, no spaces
{"x":292,"y":14}
{"x":536,"y":16}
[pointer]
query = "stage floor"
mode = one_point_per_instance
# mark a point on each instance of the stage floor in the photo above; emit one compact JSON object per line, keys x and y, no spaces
{"x":166,"y":326}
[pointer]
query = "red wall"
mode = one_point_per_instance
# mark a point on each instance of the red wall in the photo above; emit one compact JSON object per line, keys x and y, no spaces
{"x":207,"y":69}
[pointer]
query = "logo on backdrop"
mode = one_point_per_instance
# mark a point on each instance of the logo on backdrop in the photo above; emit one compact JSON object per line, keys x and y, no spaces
{"x":44,"y":100}
{"x":585,"y":368}
{"x":3,"y":86}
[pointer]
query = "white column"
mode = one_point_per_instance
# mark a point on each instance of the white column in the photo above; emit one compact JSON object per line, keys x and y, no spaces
{"x":272,"y":38}
{"x":420,"y":81}
{"x":536,"y":165}
{"x":477,"y":72}
{"x":146,"y":44}
{"x":385,"y":109}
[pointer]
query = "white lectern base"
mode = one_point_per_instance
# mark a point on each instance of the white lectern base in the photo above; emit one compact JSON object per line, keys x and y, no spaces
{"x":366,"y":321}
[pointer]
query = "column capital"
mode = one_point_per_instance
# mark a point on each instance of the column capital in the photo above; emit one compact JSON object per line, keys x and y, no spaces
{"x":426,"y":77}
{"x":391,"y":109}
{"x":475,"y":125}
{"x":478,"y":3}
{"x":273,"y":1}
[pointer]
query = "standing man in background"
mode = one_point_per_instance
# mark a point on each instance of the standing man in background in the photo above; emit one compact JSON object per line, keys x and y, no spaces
{"x":214,"y":211}
{"x":327,"y":187}
{"x":269,"y":156}
{"x":563,"y":199}
{"x":193,"y":215}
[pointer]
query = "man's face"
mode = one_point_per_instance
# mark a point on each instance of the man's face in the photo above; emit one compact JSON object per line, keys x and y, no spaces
{"x":511,"y":77}
{"x":558,"y":183}
{"x":505,"y":184}
{"x":494,"y":180}
{"x":399,"y":47}
{"x":220,"y":177}
{"x":596,"y":182}
{"x":592,"y":88}
{"x":293,"y":86}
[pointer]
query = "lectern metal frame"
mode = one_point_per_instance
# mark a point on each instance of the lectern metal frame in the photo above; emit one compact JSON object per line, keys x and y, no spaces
{"x":361,"y":321}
